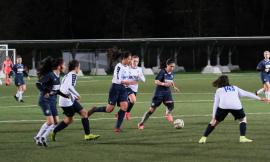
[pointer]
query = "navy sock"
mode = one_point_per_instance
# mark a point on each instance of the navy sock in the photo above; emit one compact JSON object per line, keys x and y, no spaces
{"x":86,"y":125}
{"x":130,"y":105}
{"x":60,"y":127}
{"x":243,"y":128}
{"x":96,"y":109}
{"x":121,"y":115}
{"x":208,"y":130}
{"x":100,"y":109}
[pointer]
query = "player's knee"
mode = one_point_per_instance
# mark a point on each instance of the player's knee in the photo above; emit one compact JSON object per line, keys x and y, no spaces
{"x":214,"y":122}
{"x":84,"y":113}
{"x":109,"y":108}
{"x":243,"y":120}
{"x":68,"y":120}
{"x":170,"y":105}
{"x":152,"y":110}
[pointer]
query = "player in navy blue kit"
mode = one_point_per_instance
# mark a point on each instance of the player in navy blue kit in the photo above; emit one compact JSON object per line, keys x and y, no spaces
{"x":164,"y":80}
{"x":49,"y":86}
{"x":118,"y":93}
{"x":264,"y":68}
{"x":19,"y":73}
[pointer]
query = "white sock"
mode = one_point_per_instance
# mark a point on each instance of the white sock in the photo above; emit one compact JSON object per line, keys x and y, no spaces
{"x":267,"y":95}
{"x":42,"y":129}
{"x":17,"y":94}
{"x":260,"y":91}
{"x":47,"y":131}
{"x":20,"y":95}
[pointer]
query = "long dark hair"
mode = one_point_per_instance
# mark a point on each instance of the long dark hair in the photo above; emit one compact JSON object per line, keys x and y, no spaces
{"x":222,"y":81}
{"x":47,"y":65}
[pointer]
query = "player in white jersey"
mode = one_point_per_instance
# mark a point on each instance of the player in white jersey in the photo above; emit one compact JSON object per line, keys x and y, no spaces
{"x":71,"y":105}
{"x":135,"y":74}
{"x":118,"y":93}
{"x":227,"y":100}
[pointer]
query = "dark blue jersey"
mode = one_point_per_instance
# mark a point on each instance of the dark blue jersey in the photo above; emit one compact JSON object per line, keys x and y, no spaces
{"x":50,"y":83}
{"x":264,"y":66}
{"x":18,"y":70}
{"x":163,"y":76}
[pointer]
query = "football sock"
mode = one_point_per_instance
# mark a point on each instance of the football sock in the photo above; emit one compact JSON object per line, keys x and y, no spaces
{"x":243,"y":127}
{"x":145,"y":117}
{"x":86,"y":125}
{"x":130,"y":106}
{"x":47,"y":131}
{"x":62,"y":125}
{"x":260,"y":91}
{"x":121,"y":115}
{"x":100,"y":109}
{"x":208,"y":130}
{"x":17,"y":94}
{"x":42,"y":129}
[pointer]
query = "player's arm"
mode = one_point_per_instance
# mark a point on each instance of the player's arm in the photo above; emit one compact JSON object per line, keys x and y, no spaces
{"x":71,"y":87}
{"x":243,"y":93}
{"x":160,"y":77}
{"x":40,"y":84}
{"x":141,"y":77}
{"x":175,"y":87}
{"x":215,"y":105}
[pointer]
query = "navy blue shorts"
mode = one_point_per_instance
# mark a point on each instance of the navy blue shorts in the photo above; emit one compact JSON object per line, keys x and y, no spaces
{"x":48,"y":106}
{"x":117,"y":94}
{"x":19,"y":81}
{"x":71,"y":110}
{"x":265,"y":78}
{"x":130,"y":91}
{"x":222,"y":113}
{"x":161,"y":97}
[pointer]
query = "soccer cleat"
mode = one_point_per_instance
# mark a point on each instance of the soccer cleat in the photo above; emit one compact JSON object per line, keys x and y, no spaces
{"x":202,"y":140}
{"x":36,"y":140}
{"x":169,"y":117}
{"x":16,"y":98}
{"x":117,"y":130}
{"x":53,"y":136}
{"x":22,"y":101}
{"x":140,"y":126}
{"x":256,"y":93}
{"x":128,"y":116}
{"x":243,"y":139}
{"x":91,"y":137}
{"x":43,"y":142}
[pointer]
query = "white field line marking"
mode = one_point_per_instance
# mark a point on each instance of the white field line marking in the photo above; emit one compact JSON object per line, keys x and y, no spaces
{"x":143,"y":102}
{"x":136,"y":117}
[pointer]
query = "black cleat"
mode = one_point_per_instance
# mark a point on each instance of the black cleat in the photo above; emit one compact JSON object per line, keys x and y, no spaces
{"x":256,"y":93}
{"x":21,"y":100}
{"x":16,"y":98}
{"x":43,"y":142}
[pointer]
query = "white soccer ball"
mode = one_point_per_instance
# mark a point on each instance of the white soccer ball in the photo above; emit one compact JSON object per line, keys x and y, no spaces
{"x":179,"y":124}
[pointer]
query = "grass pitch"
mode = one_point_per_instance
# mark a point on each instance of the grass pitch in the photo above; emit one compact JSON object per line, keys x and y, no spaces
{"x":160,"y":142}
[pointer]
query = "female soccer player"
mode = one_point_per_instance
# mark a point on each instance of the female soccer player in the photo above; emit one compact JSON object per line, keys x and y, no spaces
{"x":49,"y":86}
{"x":19,"y":73}
{"x":7,"y":67}
{"x":164,"y":80}
{"x":71,"y":105}
{"x":227,"y":100}
{"x":118,"y":93}
{"x":135,"y":74}
{"x":264,"y":68}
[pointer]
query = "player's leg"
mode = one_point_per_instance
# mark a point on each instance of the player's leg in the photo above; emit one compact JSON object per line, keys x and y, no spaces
{"x":17,"y":95}
{"x":131,"y":101}
{"x":121,"y":114}
{"x":219,"y":117}
{"x":267,"y":90}
{"x":112,"y":100}
{"x":241,"y":116}
{"x":22,"y":88}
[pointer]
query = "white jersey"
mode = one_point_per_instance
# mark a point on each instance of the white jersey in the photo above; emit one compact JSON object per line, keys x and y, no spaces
{"x":135,"y":74}
{"x":68,"y":87}
{"x":229,"y":98}
{"x":121,"y":72}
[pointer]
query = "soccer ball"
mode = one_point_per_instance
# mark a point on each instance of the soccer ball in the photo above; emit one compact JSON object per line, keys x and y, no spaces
{"x":178,"y":124}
